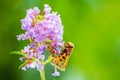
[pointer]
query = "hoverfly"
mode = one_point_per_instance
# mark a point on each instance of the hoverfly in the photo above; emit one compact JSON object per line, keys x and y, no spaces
{"x":62,"y":59}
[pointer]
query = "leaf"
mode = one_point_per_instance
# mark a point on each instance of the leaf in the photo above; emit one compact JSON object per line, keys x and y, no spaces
{"x":21,"y":65}
{"x":19,"y":53}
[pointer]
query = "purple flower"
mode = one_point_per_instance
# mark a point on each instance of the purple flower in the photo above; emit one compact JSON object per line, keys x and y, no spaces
{"x":33,"y":45}
{"x":21,"y":58}
{"x":40,"y":66}
{"x":47,"y":9}
{"x":51,"y":27}
{"x":27,"y":22}
{"x":24,"y":68}
{"x":19,"y":37}
{"x":26,"y":49}
{"x":56,"y":73}
{"x":35,"y":64}
{"x":36,"y":10}
{"x":38,"y":28}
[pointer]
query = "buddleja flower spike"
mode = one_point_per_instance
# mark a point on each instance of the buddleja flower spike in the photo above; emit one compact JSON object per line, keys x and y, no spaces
{"x":44,"y":30}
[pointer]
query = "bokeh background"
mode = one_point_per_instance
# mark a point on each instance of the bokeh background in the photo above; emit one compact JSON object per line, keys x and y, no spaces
{"x":92,"y":25}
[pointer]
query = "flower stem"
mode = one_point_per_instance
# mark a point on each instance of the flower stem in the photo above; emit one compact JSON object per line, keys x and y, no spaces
{"x":42,"y":74}
{"x":48,"y":60}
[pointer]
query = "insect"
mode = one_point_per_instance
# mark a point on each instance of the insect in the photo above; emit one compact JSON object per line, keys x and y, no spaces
{"x":62,"y":59}
{"x":52,"y":50}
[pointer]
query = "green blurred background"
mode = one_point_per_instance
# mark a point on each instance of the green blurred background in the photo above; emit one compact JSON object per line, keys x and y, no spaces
{"x":92,"y":25}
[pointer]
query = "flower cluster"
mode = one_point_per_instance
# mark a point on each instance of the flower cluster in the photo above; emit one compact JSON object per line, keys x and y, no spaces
{"x":40,"y":28}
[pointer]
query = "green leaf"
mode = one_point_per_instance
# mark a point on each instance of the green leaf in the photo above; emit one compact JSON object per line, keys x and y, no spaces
{"x":19,"y":53}
{"x":21,"y":65}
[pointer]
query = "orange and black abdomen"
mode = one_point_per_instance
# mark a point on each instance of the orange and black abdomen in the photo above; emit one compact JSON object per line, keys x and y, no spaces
{"x":62,"y":59}
{"x":59,"y":60}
